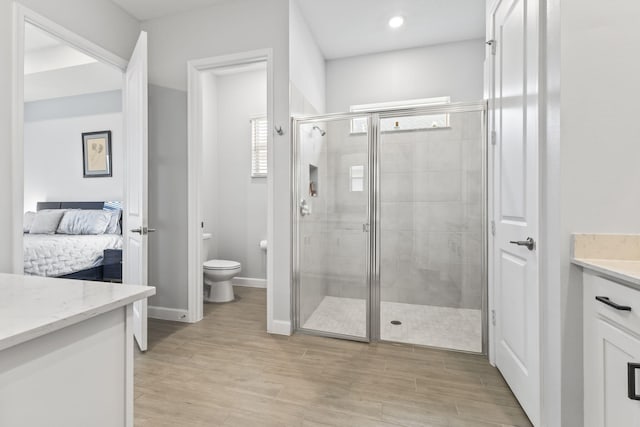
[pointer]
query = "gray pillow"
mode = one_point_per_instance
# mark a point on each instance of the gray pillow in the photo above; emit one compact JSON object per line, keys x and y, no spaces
{"x":84,"y":222}
{"x":28,"y":221}
{"x":114,"y":222}
{"x":46,"y":221}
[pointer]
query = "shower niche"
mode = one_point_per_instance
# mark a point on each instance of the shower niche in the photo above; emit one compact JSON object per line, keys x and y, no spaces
{"x":313,"y":181}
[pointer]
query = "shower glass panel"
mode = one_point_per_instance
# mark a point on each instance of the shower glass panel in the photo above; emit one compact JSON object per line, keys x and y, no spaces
{"x":431,"y":234}
{"x":331,"y":228}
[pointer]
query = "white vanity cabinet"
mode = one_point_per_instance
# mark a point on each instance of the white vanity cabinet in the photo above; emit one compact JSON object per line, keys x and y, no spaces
{"x":611,"y":353}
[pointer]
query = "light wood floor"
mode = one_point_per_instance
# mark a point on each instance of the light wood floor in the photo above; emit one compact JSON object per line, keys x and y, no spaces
{"x":226,"y":371}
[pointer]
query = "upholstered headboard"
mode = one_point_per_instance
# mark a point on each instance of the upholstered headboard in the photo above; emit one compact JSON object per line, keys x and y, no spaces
{"x":70,"y":205}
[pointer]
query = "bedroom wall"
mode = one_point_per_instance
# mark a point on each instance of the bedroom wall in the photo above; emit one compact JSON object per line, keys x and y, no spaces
{"x":78,"y":16}
{"x":53,"y":149}
{"x":451,"y":69}
{"x":222,"y":29}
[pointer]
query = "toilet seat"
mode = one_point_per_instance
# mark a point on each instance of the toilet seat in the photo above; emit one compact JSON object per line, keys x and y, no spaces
{"x":220,"y":264}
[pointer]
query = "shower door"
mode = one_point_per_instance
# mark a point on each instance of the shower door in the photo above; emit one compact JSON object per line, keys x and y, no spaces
{"x":389,"y":229}
{"x":331,"y":226}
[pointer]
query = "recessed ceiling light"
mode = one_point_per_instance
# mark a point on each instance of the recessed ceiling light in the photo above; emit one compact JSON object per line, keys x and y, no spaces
{"x":396,"y":22}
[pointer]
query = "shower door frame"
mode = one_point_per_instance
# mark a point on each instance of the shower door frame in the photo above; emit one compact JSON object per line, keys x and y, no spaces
{"x":296,"y":177}
{"x":374,"y":214}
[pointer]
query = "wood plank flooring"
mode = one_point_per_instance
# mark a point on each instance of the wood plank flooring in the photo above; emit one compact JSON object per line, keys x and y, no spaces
{"x":227,"y":371}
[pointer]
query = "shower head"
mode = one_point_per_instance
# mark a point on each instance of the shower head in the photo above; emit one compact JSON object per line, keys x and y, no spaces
{"x":322,"y":132}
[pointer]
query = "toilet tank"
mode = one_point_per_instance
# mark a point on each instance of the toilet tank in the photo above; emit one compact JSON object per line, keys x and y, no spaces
{"x":206,"y":237}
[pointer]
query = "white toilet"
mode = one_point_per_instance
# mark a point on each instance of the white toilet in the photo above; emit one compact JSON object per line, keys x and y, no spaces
{"x":217,"y":275}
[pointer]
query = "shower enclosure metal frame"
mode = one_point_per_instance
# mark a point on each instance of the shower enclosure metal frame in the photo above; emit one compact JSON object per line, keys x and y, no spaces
{"x":373,"y":303}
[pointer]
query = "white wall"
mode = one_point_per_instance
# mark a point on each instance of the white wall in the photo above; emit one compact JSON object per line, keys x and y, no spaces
{"x":240,"y":201}
{"x":79,"y":16}
{"x":210,"y":184}
{"x":599,"y":152}
{"x":53,"y":160}
{"x":222,"y":29}
{"x":452,"y":69}
{"x":308,"y":70}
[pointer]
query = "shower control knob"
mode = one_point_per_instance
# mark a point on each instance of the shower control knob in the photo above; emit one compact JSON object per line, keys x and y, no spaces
{"x":304,"y":208}
{"x":529,"y":243}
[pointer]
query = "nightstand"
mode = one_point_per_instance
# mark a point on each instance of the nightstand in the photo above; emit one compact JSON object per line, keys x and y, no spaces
{"x":112,"y":270}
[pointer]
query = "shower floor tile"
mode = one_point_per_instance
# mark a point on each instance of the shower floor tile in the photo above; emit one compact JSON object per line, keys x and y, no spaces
{"x":346,"y":316}
{"x":445,"y":327}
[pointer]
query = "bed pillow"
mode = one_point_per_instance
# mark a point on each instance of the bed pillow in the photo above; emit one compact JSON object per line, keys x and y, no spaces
{"x":28,"y":221}
{"x":114,"y":222}
{"x":84,"y":222}
{"x":46,"y":221}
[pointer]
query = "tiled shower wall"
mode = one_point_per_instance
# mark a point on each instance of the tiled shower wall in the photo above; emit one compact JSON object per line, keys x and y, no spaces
{"x":431,"y":214}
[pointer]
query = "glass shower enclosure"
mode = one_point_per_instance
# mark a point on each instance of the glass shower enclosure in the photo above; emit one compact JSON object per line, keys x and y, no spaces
{"x":389,"y":230}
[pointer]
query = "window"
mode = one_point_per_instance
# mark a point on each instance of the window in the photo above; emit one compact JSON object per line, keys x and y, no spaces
{"x":259,"y":129}
{"x":430,"y":121}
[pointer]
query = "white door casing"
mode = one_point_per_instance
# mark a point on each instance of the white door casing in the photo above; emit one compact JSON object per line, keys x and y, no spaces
{"x":514,"y":119}
{"x":136,"y":178}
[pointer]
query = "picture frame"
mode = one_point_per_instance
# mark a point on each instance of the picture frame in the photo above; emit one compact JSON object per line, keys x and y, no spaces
{"x":96,"y":154}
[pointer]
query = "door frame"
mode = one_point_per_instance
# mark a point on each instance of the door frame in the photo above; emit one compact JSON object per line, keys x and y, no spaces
{"x":21,"y":16}
{"x":195,"y":142}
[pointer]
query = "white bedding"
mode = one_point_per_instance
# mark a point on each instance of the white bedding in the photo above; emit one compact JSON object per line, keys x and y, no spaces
{"x":59,"y":254}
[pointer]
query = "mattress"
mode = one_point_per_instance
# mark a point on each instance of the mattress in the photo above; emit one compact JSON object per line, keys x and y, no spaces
{"x":58,"y":254}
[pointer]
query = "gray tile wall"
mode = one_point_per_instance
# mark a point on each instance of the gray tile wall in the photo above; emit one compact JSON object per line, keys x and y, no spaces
{"x":431,"y":195}
{"x":431,"y":208}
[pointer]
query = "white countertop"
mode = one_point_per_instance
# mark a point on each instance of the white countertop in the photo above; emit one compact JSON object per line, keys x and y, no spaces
{"x":622,"y":270}
{"x":33,"y":306}
{"x":614,"y":256}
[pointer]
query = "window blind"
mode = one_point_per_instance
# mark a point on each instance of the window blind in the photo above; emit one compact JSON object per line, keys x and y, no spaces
{"x":259,"y":129}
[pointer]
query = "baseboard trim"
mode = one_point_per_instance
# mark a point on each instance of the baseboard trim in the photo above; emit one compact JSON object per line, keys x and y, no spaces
{"x":249,"y":282}
{"x":164,"y":313}
{"x":280,"y":327}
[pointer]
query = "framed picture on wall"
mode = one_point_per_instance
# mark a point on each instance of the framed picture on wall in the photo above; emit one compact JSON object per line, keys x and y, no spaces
{"x":96,"y":154}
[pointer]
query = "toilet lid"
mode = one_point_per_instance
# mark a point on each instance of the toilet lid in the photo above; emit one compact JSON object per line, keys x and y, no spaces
{"x":220,"y":264}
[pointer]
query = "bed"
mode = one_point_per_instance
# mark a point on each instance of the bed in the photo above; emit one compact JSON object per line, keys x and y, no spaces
{"x":69,"y":255}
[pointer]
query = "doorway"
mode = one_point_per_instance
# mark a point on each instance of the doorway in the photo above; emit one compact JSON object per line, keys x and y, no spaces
{"x":133,"y":77}
{"x":230,"y":185}
{"x":390,"y":237}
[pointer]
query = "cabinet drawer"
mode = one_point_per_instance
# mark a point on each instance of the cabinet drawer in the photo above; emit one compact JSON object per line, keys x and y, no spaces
{"x":617,"y":294}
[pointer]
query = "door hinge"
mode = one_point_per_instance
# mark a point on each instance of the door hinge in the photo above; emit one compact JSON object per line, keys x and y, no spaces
{"x":494,"y":137}
{"x":493,"y":228}
{"x":493,"y":44}
{"x":493,"y":317}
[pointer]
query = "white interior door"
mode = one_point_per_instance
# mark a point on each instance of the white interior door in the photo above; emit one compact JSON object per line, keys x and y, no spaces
{"x":135,"y":209}
{"x":515,"y":190}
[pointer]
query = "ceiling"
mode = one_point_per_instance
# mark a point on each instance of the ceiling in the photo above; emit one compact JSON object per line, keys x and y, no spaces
{"x":345,"y":28}
{"x":53,"y":69}
{"x":151,"y":9}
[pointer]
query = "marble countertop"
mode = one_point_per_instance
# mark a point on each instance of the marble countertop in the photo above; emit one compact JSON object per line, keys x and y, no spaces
{"x":33,"y":306}
{"x":626,"y":271}
{"x":615,"y":256}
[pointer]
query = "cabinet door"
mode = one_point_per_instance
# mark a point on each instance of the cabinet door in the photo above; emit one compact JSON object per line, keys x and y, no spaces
{"x":614,"y":350}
